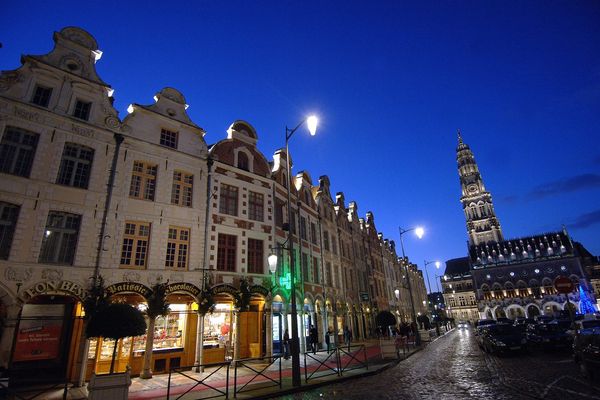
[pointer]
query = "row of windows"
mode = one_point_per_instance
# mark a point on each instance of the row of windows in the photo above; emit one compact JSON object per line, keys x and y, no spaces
{"x":59,"y":242}
{"x":17,"y":151}
{"x":227,"y":254}
{"x":228,"y":203}
{"x":41,"y":97}
{"x":82,"y":109}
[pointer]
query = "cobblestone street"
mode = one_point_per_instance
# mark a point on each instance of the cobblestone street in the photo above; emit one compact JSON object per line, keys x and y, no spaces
{"x":453,"y":367}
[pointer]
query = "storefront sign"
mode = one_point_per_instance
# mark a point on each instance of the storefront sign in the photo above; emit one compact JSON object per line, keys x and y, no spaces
{"x":128,"y":287}
{"x":45,"y":287}
{"x":259,"y":290}
{"x":39,"y":332}
{"x":364,"y":296}
{"x":183,"y":287}
{"x":224,"y":288}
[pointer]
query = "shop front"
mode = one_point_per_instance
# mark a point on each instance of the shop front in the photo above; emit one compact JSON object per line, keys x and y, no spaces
{"x":174,"y":337}
{"x":47,"y":336}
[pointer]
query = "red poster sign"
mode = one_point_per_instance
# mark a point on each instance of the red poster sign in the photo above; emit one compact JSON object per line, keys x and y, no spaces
{"x":39,"y":332}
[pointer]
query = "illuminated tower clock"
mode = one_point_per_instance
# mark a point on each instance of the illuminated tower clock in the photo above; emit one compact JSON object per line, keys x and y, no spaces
{"x":482,"y":224}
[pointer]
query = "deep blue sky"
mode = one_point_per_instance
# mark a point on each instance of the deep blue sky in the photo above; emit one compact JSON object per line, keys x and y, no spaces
{"x":391,"y":83}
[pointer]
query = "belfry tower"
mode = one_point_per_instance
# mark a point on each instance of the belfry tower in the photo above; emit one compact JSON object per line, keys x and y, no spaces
{"x":482,"y":224}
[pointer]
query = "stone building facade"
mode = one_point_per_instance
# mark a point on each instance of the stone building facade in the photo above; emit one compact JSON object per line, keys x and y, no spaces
{"x":143,"y":200}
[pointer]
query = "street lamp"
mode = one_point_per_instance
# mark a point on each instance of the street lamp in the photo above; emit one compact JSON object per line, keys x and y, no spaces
{"x":311,"y":123}
{"x":419,"y":231}
{"x":437,"y":265}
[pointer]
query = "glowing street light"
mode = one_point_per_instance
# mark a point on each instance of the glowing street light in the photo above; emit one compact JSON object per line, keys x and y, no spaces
{"x":311,"y":123}
{"x":419,"y":231}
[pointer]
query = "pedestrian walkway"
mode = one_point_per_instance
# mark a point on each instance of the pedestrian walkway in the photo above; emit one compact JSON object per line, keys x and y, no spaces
{"x":321,"y":368}
{"x":249,"y":381}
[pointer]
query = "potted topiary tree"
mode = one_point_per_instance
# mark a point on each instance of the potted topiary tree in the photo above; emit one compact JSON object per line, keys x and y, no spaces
{"x":114,"y":321}
{"x":157,"y":306}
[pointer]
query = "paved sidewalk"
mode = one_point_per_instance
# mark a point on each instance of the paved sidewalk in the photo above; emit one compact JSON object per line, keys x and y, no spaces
{"x":261,"y":386}
{"x":322,"y":369}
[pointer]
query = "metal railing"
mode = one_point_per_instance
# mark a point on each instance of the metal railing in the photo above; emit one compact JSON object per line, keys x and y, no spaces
{"x":323,"y":364}
{"x":258,"y":367}
{"x":202,"y":382}
{"x":337,"y":361}
{"x":349,"y":358}
{"x":29,"y":390}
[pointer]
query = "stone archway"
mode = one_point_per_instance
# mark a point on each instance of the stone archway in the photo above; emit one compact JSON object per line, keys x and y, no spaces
{"x":499,"y":312}
{"x":532,"y":311}
{"x":515,"y":311}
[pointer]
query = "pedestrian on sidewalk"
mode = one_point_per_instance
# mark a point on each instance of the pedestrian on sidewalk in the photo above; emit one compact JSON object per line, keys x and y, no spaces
{"x":328,"y":339}
{"x":314,"y":338}
{"x":347,"y":336}
{"x":286,"y":344}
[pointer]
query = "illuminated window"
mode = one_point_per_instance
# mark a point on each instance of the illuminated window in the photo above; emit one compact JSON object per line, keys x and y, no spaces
{"x":143,"y":180}
{"x":136,"y":238}
{"x":183,"y":188}
{"x":178,"y":244}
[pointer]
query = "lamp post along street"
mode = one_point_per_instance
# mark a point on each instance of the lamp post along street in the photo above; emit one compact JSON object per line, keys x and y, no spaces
{"x":437,"y":265}
{"x":419,"y":232}
{"x":295,"y":343}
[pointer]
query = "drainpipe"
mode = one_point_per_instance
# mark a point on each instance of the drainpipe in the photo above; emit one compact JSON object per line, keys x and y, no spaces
{"x":109,"y":190}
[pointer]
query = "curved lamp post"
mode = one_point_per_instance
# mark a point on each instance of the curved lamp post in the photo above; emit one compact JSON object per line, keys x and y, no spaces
{"x":419,"y":231}
{"x":437,"y":265}
{"x":311,"y":123}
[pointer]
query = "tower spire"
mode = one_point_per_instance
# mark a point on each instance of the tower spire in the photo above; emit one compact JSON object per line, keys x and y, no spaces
{"x":482,"y":224}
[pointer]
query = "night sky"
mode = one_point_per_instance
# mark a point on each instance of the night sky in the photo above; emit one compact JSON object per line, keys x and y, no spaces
{"x":391,"y":84}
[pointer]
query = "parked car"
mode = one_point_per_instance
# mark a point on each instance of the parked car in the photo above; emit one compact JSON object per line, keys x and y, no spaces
{"x":585,"y":326}
{"x":586,"y":353}
{"x":500,"y":338}
{"x":482,"y":323}
{"x":551,"y":334}
{"x":462,"y":325}
{"x":523,"y":323}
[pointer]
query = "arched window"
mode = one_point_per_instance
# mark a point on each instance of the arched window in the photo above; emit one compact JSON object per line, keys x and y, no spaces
{"x":548,"y":286}
{"x":485,"y":290}
{"x":497,"y":288}
{"x":510,"y":289}
{"x":242,"y":161}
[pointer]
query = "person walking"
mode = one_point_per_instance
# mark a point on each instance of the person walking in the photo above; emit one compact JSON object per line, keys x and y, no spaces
{"x":347,"y":336}
{"x":314,"y":338}
{"x":286,"y":344}
{"x":328,"y":339}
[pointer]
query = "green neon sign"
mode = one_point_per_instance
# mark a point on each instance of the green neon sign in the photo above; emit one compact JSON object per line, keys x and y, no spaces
{"x":285,"y":281}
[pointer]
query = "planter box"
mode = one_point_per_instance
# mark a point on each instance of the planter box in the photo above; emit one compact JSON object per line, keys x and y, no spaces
{"x":109,"y":387}
{"x":388,"y":348}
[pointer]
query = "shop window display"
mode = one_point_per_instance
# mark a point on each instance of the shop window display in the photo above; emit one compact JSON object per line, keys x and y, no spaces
{"x":217,"y":327}
{"x":169,"y":331}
